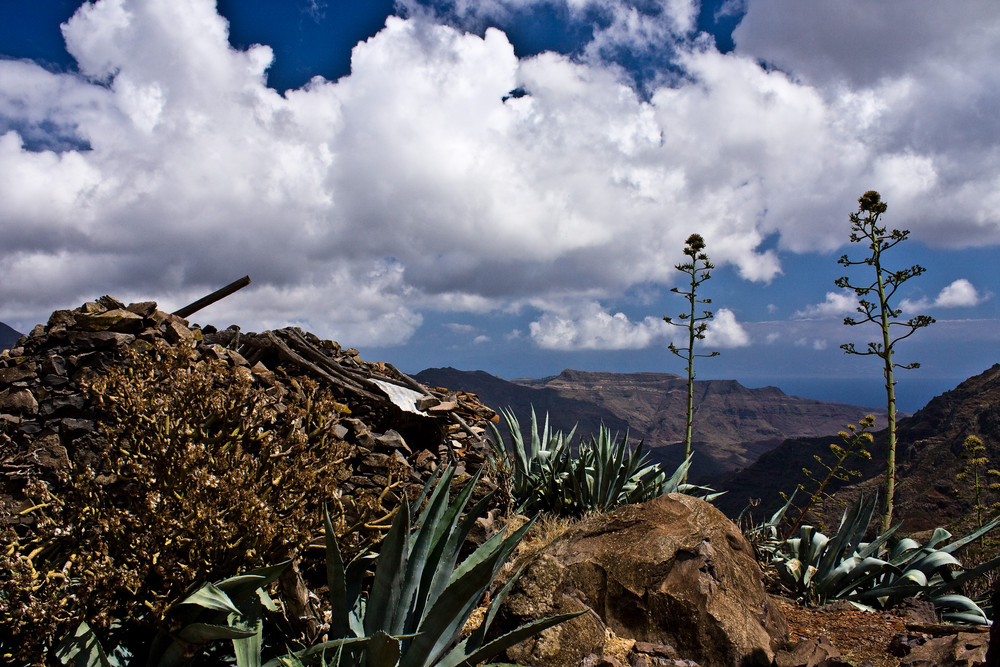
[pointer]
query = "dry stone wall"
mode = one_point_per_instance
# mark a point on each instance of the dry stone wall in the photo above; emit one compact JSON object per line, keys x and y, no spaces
{"x":389,"y":420}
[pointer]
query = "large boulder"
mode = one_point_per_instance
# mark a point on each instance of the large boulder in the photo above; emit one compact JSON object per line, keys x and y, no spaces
{"x":673,"y":571}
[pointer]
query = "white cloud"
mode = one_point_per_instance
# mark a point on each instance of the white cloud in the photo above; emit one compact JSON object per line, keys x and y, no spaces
{"x":458,"y":328}
{"x":725,"y":332}
{"x":835,"y":304}
{"x":409,"y":185}
{"x":960,"y":293}
{"x":590,"y":327}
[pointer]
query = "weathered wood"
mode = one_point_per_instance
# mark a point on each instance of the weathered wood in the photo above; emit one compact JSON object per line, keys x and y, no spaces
{"x":291,"y":355}
{"x":217,"y":295}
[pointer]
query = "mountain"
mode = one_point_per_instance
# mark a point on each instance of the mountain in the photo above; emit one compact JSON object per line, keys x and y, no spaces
{"x":733,"y":425}
{"x":7,"y":336}
{"x":929,"y":457}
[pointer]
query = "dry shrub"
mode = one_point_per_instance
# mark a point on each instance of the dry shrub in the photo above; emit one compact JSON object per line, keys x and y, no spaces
{"x":199,"y":473}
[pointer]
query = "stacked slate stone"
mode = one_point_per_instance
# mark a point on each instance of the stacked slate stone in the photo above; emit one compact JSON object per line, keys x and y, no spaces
{"x":46,"y":421}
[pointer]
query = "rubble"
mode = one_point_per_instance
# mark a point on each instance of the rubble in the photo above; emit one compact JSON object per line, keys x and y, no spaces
{"x":389,"y":418}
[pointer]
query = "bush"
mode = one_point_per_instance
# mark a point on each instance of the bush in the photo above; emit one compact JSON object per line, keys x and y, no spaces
{"x":198,"y":472}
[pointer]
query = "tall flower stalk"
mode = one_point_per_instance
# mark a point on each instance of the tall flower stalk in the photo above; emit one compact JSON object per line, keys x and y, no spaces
{"x":698,"y":269}
{"x":874,"y":304}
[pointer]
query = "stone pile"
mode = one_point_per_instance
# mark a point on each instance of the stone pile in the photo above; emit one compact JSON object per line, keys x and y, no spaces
{"x":390,"y":420}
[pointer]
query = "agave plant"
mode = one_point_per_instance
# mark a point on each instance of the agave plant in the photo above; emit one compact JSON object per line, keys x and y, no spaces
{"x":420,"y":598}
{"x":230,"y":609}
{"x":873,"y":574}
{"x":604,"y":473}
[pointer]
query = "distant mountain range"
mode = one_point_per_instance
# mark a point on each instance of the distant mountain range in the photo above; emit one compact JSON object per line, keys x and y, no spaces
{"x":929,"y":457}
{"x":7,"y":336}
{"x":733,"y":425}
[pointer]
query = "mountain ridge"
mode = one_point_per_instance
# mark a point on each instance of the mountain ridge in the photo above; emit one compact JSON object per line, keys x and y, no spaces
{"x":929,"y":458}
{"x":733,"y":424}
{"x":8,"y":336}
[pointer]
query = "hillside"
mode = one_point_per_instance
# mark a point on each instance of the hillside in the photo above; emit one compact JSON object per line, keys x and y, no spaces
{"x":928,"y":458}
{"x":8,"y":336}
{"x":734,"y":425}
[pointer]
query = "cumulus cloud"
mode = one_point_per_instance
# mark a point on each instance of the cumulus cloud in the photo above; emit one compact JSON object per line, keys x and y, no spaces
{"x":835,"y":304}
{"x":167,"y":167}
{"x":958,"y":294}
{"x":725,"y":332}
{"x":590,"y":327}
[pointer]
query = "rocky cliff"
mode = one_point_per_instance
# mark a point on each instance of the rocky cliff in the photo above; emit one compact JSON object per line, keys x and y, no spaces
{"x":733,"y":424}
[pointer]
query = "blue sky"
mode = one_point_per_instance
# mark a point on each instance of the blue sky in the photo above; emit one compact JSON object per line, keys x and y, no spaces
{"x":359,"y":162}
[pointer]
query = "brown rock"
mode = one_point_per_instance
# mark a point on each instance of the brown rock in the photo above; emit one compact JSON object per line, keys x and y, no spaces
{"x":965,"y":649}
{"x":18,"y":401}
{"x":176,"y":331}
{"x":119,"y":320}
{"x":17,"y":373}
{"x":143,"y":308}
{"x":810,"y":653}
{"x":99,"y":339}
{"x":63,"y":318}
{"x":671,"y":571}
{"x":49,"y":452}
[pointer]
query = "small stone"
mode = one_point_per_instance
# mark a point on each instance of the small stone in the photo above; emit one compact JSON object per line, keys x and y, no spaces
{"x":237,"y":358}
{"x":176,"y":332}
{"x":262,"y":372}
{"x":38,"y":331}
{"x":18,"y":401}
{"x":110,"y":320}
{"x":63,"y":318}
{"x":143,"y":308}
{"x":425,"y":402}
{"x":17,"y":373}
{"x":77,"y":426}
{"x":53,"y":365}
{"x":392,"y":440}
{"x":110,"y":303}
{"x":99,"y":339}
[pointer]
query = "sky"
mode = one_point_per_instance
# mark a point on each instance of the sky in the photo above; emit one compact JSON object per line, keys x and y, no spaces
{"x":507,"y":185}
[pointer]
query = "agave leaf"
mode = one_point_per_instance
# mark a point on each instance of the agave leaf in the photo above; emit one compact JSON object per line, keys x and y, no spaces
{"x":974,"y":535}
{"x":939,"y":535}
{"x":960,"y":605}
{"x":427,"y":560}
{"x":202,"y":633}
{"x":315,"y":652}
{"x":853,"y":525}
{"x":443,"y":623}
{"x":336,"y":581}
{"x":965,"y":617}
{"x":383,"y":601}
{"x":903,"y":550}
{"x":478,"y":636}
{"x":934,"y":561}
{"x":875,"y":546}
{"x":81,"y":648}
{"x":858,"y":574}
{"x":961,"y":577}
{"x":247,"y":649}
{"x":209,"y":596}
{"x":680,"y":474}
